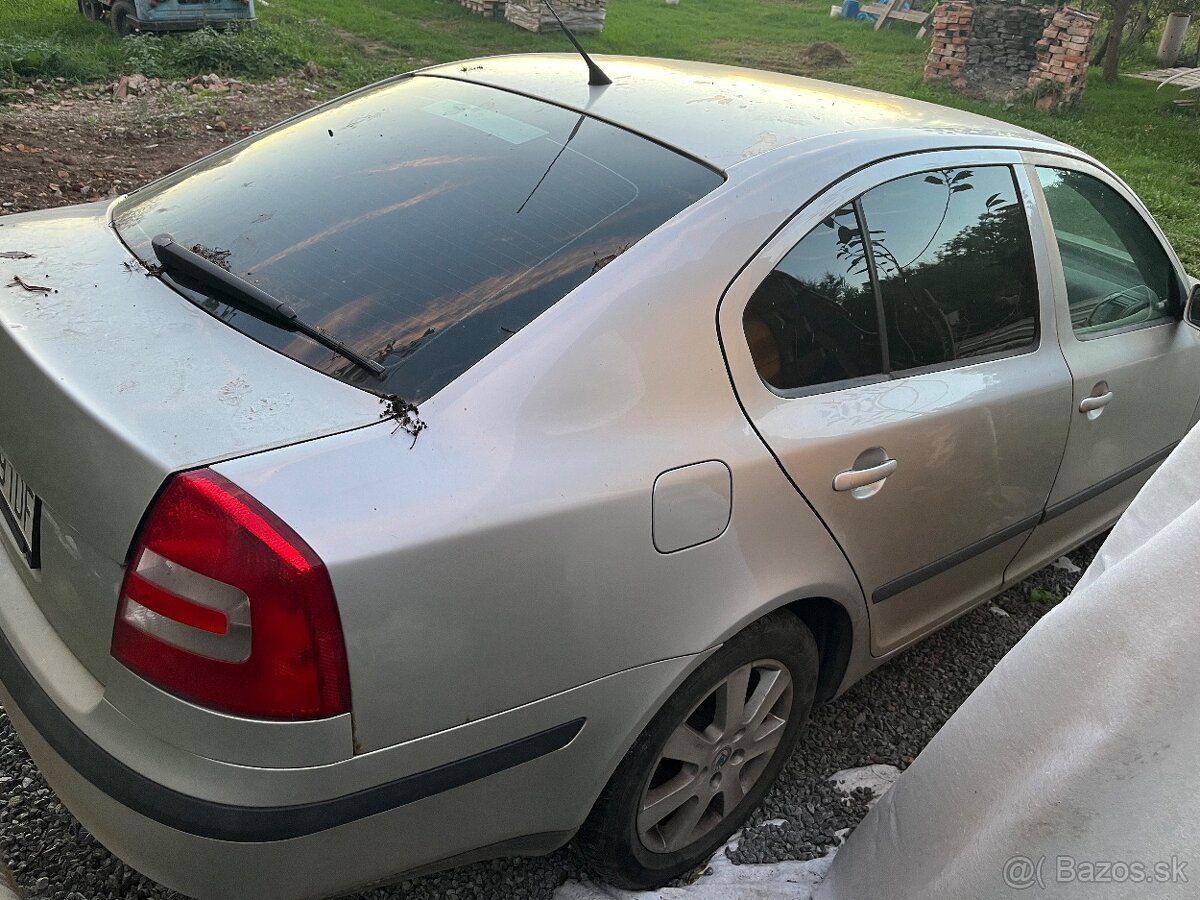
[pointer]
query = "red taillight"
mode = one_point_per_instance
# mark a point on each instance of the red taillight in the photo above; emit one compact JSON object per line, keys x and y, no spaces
{"x":224,"y":605}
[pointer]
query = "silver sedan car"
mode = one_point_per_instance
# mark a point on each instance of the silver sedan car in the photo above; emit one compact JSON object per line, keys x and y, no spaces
{"x":488,"y":459}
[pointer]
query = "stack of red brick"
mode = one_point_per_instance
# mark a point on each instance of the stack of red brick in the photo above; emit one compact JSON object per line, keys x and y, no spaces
{"x":1063,"y":56}
{"x":951,"y":30}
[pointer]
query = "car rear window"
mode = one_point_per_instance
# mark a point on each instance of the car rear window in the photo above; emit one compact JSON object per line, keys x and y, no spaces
{"x":421,"y":222}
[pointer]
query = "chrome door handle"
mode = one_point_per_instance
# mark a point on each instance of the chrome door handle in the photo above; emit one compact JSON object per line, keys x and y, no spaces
{"x":857,"y":478}
{"x":1091,"y":404}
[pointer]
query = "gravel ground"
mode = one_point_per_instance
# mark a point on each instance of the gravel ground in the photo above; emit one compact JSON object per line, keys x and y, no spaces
{"x":886,"y":718}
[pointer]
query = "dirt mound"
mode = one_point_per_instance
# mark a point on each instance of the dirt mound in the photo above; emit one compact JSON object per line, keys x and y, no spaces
{"x":61,"y":144}
{"x":823,"y":55}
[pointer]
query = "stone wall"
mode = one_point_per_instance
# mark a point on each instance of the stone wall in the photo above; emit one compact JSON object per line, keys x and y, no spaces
{"x":1002,"y":50}
{"x":1003,"y":47}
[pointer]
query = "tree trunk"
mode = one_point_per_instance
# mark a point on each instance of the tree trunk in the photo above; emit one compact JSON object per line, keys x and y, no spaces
{"x":1101,"y":49}
{"x":1142,"y":28}
{"x":1142,"y":24}
{"x":1112,"y":53}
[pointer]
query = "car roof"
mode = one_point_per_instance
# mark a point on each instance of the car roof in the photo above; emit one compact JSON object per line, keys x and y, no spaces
{"x":725,"y":115}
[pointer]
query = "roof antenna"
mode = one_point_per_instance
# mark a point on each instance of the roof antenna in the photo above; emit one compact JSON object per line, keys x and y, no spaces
{"x":562,"y":150}
{"x":596,"y":76}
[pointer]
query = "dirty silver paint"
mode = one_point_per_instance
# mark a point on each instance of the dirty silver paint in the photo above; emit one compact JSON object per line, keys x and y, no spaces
{"x":718,"y":113}
{"x":563,"y":525}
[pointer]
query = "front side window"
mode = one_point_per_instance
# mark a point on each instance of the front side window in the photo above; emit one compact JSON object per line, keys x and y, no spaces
{"x":942,"y":258}
{"x":1117,"y":273}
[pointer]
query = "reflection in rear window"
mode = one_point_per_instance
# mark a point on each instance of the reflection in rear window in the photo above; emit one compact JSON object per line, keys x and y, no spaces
{"x":420,"y":222}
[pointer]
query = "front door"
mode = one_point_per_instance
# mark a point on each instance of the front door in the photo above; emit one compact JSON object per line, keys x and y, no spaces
{"x":893,"y":350}
{"x":1135,"y":365}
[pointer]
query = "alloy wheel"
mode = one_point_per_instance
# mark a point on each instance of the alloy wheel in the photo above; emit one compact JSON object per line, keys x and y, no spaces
{"x":715,"y":756}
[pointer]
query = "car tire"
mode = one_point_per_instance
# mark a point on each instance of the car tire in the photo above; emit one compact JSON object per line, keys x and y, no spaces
{"x":122,"y":18}
{"x":661,"y":814}
{"x":90,"y":9}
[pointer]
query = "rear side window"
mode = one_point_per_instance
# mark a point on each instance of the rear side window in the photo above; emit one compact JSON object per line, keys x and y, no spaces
{"x":420,"y":222}
{"x":814,"y":319}
{"x":1117,"y":273}
{"x":955,"y":265}
{"x":947,"y":267}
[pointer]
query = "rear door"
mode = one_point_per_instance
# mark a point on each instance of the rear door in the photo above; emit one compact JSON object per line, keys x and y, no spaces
{"x":1135,"y":365}
{"x":928,"y":445}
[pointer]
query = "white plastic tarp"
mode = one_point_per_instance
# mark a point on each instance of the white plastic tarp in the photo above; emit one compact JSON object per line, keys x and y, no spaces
{"x":1073,"y":770}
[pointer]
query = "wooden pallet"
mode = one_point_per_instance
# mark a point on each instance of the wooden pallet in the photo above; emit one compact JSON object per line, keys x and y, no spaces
{"x":891,"y":10}
{"x":581,"y":16}
{"x":489,"y":9}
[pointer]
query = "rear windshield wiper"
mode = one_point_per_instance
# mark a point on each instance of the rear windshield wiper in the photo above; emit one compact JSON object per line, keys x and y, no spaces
{"x":185,"y":266}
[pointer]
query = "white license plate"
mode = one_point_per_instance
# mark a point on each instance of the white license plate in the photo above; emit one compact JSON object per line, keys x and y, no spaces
{"x":21,"y":510}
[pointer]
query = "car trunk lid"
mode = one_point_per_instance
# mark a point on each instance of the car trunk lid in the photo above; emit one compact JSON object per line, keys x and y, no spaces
{"x":111,"y":383}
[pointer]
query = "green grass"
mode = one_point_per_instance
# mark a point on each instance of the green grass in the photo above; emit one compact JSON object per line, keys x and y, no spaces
{"x":1044,"y":597}
{"x":361,"y":38}
{"x":1132,"y":128}
{"x":1129,"y":126}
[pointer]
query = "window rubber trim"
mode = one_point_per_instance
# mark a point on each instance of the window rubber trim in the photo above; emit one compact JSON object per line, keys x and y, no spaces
{"x":246,"y":824}
{"x":885,"y":350}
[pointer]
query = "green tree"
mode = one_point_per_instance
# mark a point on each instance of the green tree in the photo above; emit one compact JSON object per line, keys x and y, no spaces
{"x":1131,"y":22}
{"x":1151,"y":13}
{"x":1112,"y":50}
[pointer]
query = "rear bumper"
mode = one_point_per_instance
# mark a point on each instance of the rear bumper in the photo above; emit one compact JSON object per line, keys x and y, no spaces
{"x":248,"y":824}
{"x":321,"y":864}
{"x":519,"y":781}
{"x":324,"y":864}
